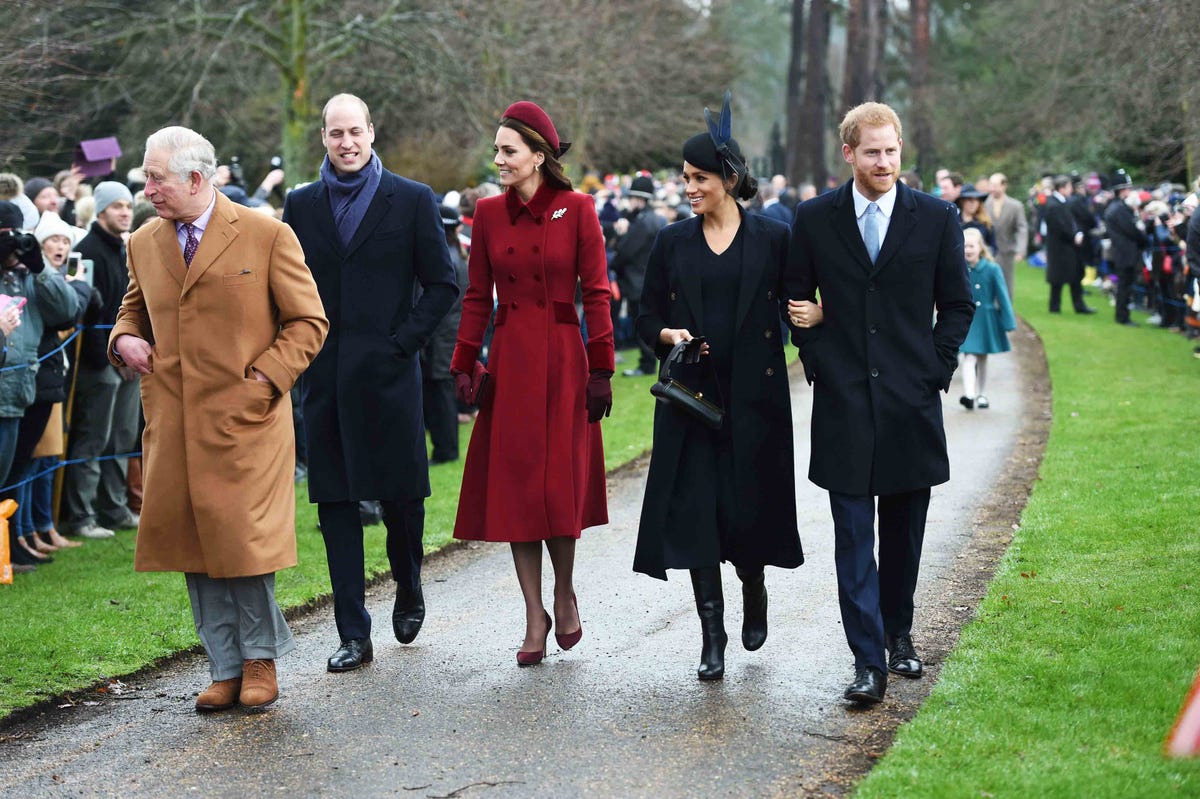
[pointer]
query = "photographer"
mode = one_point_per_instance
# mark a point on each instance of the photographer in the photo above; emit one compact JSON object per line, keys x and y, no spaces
{"x":1166,"y":263}
{"x":47,"y":300}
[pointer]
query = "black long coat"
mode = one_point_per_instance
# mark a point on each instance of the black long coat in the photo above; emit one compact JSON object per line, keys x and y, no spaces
{"x":362,"y":394}
{"x":1128,"y":240}
{"x":759,"y":404}
{"x":876,"y":363}
{"x":1062,"y":261}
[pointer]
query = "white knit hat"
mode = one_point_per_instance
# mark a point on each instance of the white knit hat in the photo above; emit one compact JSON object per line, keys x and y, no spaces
{"x":51,"y":224}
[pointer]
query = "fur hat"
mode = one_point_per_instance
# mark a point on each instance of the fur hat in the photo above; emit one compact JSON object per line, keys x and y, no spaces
{"x":533,"y":116}
{"x":110,"y":192}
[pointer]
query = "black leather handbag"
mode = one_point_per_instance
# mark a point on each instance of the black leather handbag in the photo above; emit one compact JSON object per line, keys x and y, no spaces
{"x":680,"y":396}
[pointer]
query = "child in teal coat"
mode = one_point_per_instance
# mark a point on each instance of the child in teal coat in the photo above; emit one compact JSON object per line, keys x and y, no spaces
{"x":992,"y":323}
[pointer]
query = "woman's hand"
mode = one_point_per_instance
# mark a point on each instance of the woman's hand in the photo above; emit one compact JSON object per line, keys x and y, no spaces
{"x":672,"y":337}
{"x":803,"y":313}
{"x":10,"y":320}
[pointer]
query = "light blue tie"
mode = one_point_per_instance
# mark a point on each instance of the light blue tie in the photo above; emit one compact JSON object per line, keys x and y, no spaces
{"x":871,"y":231}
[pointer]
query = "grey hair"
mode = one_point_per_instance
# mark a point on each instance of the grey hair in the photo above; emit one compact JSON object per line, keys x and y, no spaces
{"x":190,"y":152}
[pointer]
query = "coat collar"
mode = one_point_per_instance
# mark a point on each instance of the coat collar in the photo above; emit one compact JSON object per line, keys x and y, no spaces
{"x":754,"y":261}
{"x":904,"y":219}
{"x":536,"y":207}
{"x":219,"y":234}
{"x":381,"y":203}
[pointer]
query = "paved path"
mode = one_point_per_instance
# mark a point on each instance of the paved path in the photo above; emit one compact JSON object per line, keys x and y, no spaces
{"x":621,"y":715}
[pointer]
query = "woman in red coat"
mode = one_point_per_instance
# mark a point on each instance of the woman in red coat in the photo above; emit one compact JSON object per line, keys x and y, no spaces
{"x":535,"y":466}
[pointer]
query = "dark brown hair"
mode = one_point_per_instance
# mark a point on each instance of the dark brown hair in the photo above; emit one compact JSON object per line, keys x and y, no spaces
{"x":552,"y":169}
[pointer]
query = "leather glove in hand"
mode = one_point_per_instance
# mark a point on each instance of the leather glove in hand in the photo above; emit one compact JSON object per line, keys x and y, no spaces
{"x":469,"y":389}
{"x":599,"y":394}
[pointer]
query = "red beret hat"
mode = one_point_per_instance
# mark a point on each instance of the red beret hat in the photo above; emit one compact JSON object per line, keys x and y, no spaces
{"x":533,"y":116}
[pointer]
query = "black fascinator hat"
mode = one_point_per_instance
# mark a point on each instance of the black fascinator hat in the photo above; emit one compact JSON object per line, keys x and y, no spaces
{"x":718,"y":152}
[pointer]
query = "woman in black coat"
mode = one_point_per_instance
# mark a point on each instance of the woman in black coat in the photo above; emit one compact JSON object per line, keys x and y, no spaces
{"x":726,"y":494}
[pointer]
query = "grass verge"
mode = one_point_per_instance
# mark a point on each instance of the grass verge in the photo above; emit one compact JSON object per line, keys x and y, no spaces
{"x":88,"y":616}
{"x":1068,"y":679}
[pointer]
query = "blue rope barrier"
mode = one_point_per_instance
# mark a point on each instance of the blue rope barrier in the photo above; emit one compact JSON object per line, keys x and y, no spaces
{"x":63,"y":464}
{"x":58,"y":349}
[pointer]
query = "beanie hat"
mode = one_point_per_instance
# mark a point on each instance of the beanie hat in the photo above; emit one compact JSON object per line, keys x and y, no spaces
{"x":108,"y":193}
{"x":450,"y":217}
{"x":35,"y":186}
{"x":10,"y":215}
{"x":142,"y":213}
{"x":532,"y":115}
{"x":51,"y":224}
{"x":641,"y":187}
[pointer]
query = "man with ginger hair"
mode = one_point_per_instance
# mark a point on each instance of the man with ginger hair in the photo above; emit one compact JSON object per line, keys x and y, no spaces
{"x":883,"y":258}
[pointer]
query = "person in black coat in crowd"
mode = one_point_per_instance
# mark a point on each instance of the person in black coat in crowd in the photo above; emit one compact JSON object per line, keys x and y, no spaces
{"x":1063,"y":237}
{"x":635,"y":236}
{"x":1128,"y":239}
{"x":884,"y":258}
{"x":441,"y":408}
{"x":725,"y":494}
{"x":369,"y":237}
{"x":1080,"y":206}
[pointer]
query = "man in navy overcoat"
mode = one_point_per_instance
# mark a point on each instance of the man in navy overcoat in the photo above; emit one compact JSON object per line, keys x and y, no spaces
{"x":882,"y":258}
{"x":369,"y":237}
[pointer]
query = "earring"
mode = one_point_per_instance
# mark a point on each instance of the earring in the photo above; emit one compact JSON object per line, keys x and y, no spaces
{"x":537,"y":167}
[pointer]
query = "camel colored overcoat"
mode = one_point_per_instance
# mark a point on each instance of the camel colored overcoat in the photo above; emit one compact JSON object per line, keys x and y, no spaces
{"x":219,"y":448}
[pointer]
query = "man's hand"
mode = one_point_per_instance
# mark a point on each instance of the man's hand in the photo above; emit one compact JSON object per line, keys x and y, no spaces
{"x":135,"y":352}
{"x":259,"y":376}
{"x":273,"y":179}
{"x":621,"y":226}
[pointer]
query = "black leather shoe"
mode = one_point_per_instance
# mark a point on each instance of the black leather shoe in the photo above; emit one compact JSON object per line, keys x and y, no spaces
{"x":902,"y":656}
{"x":351,"y":655}
{"x":754,"y":609}
{"x":1127,"y":322}
{"x":1085,"y":309}
{"x":868,"y":687}
{"x":408,"y":614}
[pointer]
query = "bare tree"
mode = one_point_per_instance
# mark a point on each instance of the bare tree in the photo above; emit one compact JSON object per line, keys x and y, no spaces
{"x":864,"y":46}
{"x":921,"y":123}
{"x":816,"y":92}
{"x":793,"y":93}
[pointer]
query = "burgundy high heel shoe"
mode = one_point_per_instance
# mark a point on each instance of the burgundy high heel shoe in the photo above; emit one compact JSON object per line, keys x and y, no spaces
{"x":568,"y":640}
{"x":534,"y":658}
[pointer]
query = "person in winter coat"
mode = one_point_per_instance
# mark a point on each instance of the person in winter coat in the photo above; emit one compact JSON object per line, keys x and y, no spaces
{"x":534,"y":471}
{"x":441,"y":407}
{"x":1128,"y":236}
{"x":992,"y":323}
{"x":635,"y":235}
{"x":726,"y":494}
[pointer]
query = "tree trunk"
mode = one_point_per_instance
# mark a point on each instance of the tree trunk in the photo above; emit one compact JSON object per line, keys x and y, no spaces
{"x":297,"y":100}
{"x":816,"y":93}
{"x":922,"y":92}
{"x":864,"y":45}
{"x":793,"y":166}
{"x":882,"y":23}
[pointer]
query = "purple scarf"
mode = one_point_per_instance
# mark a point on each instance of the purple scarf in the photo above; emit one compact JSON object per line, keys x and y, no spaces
{"x":350,"y":194}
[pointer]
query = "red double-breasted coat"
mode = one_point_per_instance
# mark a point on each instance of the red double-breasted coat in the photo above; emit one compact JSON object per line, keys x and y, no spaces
{"x":535,"y":466}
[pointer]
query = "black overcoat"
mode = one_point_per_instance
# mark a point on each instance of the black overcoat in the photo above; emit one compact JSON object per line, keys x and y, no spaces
{"x":362,"y":394}
{"x":1128,"y":240}
{"x":877,"y":361}
{"x":1062,"y":261}
{"x":760,"y":401}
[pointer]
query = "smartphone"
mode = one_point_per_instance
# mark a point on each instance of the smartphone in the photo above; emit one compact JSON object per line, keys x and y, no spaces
{"x":73,"y":261}
{"x":86,"y":271}
{"x":12,"y":302}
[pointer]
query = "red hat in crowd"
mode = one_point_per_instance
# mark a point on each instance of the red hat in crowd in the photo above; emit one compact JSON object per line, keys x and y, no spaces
{"x":533,"y":116}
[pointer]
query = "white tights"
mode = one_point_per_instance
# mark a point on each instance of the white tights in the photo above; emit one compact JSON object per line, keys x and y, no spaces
{"x":974,"y":374}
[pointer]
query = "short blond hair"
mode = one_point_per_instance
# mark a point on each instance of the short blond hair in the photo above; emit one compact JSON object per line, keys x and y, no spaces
{"x":985,"y":251}
{"x":871,"y":115}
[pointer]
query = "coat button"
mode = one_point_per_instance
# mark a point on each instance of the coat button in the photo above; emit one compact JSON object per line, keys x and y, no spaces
{"x":511,"y":250}
{"x":541,"y":303}
{"x":978,"y":303}
{"x":769,"y":334}
{"x":537,"y":248}
{"x":874,"y":373}
{"x":672,"y":295}
{"x":537,"y":277}
{"x":770,"y":294}
{"x":512,"y":277}
{"x":871,"y":286}
{"x":513,"y":305}
{"x":978,"y":286}
{"x":770,"y":371}
{"x":874,"y":329}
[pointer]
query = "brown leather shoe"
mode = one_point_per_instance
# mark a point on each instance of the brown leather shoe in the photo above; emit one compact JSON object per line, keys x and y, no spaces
{"x":221,"y":695}
{"x":259,"y":687}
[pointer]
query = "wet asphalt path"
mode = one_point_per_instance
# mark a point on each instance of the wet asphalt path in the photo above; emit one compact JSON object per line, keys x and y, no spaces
{"x":621,"y":715}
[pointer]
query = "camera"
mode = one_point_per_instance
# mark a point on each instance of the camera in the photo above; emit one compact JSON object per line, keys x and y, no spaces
{"x":236,"y":176}
{"x":276,"y":162}
{"x":16,"y":242}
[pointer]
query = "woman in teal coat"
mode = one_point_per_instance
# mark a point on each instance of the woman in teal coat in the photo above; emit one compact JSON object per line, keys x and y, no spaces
{"x":993,"y":319}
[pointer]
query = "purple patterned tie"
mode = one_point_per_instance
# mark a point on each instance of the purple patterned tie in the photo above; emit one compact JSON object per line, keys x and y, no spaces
{"x":189,"y":246}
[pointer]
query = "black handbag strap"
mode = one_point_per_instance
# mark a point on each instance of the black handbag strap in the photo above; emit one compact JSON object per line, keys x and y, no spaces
{"x":676,"y":357}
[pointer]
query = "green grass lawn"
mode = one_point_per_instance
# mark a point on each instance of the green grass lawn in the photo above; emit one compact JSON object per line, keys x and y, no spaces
{"x":1069,"y":678}
{"x":89,"y":616}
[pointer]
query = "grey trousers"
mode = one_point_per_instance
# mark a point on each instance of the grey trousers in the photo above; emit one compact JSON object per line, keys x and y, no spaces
{"x":237,"y":619}
{"x":104,"y":422}
{"x":1007,"y":261}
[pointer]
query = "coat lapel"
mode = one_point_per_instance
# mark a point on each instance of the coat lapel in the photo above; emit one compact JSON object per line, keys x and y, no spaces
{"x":323,"y":214}
{"x":169,"y":253}
{"x":219,"y":234}
{"x":904,"y":219}
{"x":380,"y":205}
{"x":689,"y":282}
{"x":846,"y":225}
{"x":754,"y":260}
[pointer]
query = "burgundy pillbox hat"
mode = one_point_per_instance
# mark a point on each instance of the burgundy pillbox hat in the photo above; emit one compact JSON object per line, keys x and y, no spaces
{"x":533,"y":116}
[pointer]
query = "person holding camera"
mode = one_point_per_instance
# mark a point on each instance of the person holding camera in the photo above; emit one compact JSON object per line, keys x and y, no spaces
{"x":44,"y":299}
{"x":1128,"y":239}
{"x":723,"y":493}
{"x":107,"y":402}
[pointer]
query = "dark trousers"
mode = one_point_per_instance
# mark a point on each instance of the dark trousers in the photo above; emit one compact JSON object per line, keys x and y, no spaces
{"x":879,"y":600}
{"x":441,"y":419}
{"x":646,"y":360}
{"x":1056,"y":296}
{"x":342,"y":529}
{"x":1125,"y":279}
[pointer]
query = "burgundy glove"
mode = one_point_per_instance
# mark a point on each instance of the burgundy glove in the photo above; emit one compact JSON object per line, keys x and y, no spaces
{"x":462,"y":386}
{"x":599,"y":394}
{"x":472,"y":389}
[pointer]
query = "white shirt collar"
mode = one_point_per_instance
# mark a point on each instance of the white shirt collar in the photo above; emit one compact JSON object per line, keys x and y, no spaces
{"x":200,"y":223}
{"x":886,"y":203}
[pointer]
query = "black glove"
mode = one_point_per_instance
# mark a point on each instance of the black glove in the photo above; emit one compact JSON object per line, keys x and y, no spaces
{"x":599,"y":394}
{"x":33,"y":260}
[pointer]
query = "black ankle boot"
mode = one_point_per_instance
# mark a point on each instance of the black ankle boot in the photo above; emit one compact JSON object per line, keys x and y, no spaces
{"x":710,"y":604}
{"x":754,"y":608}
